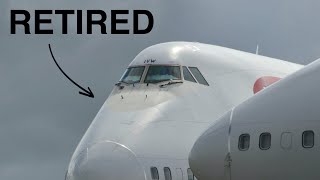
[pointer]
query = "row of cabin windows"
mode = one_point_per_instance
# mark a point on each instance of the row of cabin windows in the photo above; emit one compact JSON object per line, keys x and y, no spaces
{"x":265,"y":140}
{"x":167,"y":173}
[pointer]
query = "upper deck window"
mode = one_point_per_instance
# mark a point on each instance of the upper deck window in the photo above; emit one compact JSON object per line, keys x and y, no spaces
{"x":133,"y":75}
{"x":157,"y":74}
{"x":197,"y":74}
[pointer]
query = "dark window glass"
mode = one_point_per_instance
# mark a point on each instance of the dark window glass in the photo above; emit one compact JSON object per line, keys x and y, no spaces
{"x":167,"y":173}
{"x":265,"y":141}
{"x":187,"y":75}
{"x":244,"y":142}
{"x":162,"y":73}
{"x":197,"y":74}
{"x":308,"y":139}
{"x":154,"y":173}
{"x":133,"y":75}
{"x":190,"y":174}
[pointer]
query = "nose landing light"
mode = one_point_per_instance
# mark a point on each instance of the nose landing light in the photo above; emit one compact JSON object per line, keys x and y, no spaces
{"x":106,"y":161}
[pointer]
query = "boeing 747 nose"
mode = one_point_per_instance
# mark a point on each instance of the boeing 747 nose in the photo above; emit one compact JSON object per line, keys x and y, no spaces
{"x":169,"y":94}
{"x":106,"y":161}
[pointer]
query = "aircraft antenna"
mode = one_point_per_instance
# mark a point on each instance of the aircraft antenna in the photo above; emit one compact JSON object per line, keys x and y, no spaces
{"x":257,"y":49}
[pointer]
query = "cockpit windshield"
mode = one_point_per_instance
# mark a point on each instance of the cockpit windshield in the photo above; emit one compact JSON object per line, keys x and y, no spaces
{"x":162,"y":73}
{"x":132,"y":75}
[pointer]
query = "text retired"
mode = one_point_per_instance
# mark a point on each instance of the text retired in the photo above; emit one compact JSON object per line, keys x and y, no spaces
{"x":93,"y":18}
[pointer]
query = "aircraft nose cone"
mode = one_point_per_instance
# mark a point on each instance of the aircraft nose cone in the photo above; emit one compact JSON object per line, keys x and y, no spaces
{"x":209,"y":155}
{"x":106,"y":161}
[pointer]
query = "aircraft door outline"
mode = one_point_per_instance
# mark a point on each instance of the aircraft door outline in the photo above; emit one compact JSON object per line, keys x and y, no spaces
{"x":228,"y":158}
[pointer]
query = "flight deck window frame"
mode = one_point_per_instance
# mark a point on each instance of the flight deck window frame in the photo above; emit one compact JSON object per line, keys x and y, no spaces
{"x":194,"y":78}
{"x":142,"y":75}
{"x":206,"y":82}
{"x":147,"y":66}
{"x":172,"y":65}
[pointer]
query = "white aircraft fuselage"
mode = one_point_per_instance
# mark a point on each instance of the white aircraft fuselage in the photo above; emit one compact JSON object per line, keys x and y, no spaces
{"x":146,"y":126}
{"x":272,"y":135}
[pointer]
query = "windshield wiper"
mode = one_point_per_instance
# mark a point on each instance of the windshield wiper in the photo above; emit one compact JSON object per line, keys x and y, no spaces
{"x":119,"y":84}
{"x":170,"y":83}
{"x":127,"y":83}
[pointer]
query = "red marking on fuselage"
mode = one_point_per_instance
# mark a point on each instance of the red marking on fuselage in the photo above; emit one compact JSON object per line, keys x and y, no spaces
{"x":264,"y":82}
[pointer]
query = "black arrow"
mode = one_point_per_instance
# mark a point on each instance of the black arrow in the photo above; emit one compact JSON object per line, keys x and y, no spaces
{"x":86,"y":92}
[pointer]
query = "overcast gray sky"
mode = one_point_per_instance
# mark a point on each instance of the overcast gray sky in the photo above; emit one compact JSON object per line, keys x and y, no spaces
{"x":42,"y":115}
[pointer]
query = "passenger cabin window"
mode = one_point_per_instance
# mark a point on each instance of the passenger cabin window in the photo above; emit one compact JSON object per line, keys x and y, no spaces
{"x":132,"y":75}
{"x":157,"y":74}
{"x":187,"y":75}
{"x":244,"y":142}
{"x":197,"y":74}
{"x":190,"y":174}
{"x":265,"y":141}
{"x":286,"y":140}
{"x":154,"y":173}
{"x":308,"y":139}
{"x":167,"y":173}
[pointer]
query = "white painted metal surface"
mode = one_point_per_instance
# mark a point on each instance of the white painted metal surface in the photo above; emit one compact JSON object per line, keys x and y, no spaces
{"x":144,"y":125}
{"x":286,"y":110}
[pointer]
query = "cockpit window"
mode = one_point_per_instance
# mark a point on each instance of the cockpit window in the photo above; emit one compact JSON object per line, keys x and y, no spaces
{"x":132,"y":75}
{"x":197,"y":74}
{"x":187,"y":75}
{"x":162,"y":73}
